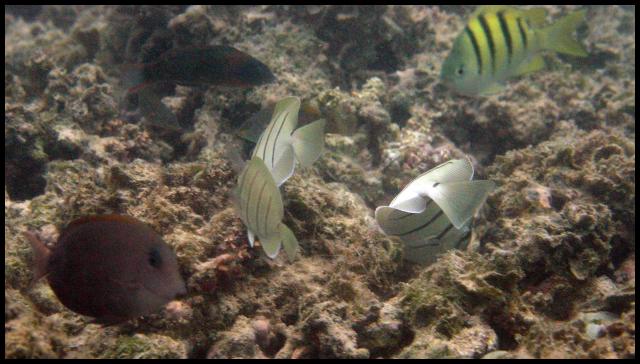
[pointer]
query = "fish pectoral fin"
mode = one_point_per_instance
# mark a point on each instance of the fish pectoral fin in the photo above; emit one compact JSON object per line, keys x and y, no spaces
{"x":461,"y":200}
{"x":534,"y":64}
{"x":308,"y":142}
{"x":492,"y":89}
{"x":283,"y":168}
{"x":289,"y":241}
{"x":251,"y":238}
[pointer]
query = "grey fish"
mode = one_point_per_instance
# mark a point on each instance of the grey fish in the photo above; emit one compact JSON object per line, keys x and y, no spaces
{"x":281,"y":145}
{"x":434,"y":212}
{"x":260,"y":207}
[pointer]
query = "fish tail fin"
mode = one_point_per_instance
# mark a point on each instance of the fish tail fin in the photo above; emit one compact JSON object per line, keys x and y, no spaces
{"x":289,"y":241}
{"x":41,"y":256}
{"x":461,"y":200}
{"x":558,"y":37}
{"x":132,"y":76}
{"x":308,"y":142}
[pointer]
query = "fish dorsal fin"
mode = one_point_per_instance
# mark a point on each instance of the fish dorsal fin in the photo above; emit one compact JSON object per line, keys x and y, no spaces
{"x":452,"y":171}
{"x":485,"y":9}
{"x":410,"y":198}
{"x":537,"y":17}
{"x":534,"y":64}
{"x":308,"y":142}
{"x":461,"y":200}
{"x":491,"y":89}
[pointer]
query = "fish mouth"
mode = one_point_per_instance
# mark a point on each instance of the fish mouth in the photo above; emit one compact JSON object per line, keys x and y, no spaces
{"x":181,"y":292}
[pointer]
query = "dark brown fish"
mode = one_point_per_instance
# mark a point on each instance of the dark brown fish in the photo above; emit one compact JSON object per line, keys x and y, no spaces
{"x":215,"y":65}
{"x":111,"y":267}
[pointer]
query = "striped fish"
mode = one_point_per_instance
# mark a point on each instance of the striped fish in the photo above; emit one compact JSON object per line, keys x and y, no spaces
{"x":281,"y":145}
{"x":260,"y":207}
{"x":500,"y":42}
{"x":434,"y":212}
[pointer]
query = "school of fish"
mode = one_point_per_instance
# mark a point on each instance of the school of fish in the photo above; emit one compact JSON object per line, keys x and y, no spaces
{"x":115,"y":267}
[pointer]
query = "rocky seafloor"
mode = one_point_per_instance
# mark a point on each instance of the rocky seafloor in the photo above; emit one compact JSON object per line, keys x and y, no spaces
{"x":550,"y":272}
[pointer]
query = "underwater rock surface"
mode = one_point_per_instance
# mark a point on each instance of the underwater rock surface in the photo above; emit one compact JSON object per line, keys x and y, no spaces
{"x":550,"y":271}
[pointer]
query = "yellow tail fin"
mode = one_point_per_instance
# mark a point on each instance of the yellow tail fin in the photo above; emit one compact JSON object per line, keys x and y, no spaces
{"x":559,"y":36}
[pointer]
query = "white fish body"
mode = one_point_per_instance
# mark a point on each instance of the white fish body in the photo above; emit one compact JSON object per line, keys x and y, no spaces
{"x":434,"y":212}
{"x":281,"y":145}
{"x":260,"y":207}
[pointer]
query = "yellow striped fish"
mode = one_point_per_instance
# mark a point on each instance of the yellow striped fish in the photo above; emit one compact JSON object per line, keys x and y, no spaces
{"x":280,"y":145}
{"x":434,"y":212}
{"x":260,"y":207}
{"x":500,"y":42}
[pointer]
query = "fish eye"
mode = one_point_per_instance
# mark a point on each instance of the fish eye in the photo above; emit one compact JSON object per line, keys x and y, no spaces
{"x":460,"y":70}
{"x":154,"y":258}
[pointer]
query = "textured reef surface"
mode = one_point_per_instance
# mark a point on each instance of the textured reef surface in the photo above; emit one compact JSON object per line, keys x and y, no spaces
{"x":550,"y":272}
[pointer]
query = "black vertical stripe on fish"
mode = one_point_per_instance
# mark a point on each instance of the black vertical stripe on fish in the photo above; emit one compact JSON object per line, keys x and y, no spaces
{"x":266,"y":143}
{"x":258,"y":206}
{"x":444,"y":231}
{"x":246,"y":208}
{"x":462,"y":239}
{"x":404,"y":214}
{"x":275,"y":141}
{"x":523,"y":33}
{"x":476,"y":48}
{"x":422,"y":226}
{"x":266,"y":214}
{"x":507,"y":35}
{"x":492,"y":45}
{"x":264,"y":147}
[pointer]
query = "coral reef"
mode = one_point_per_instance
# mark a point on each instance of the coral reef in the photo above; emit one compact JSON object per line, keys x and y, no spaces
{"x":550,"y":271}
